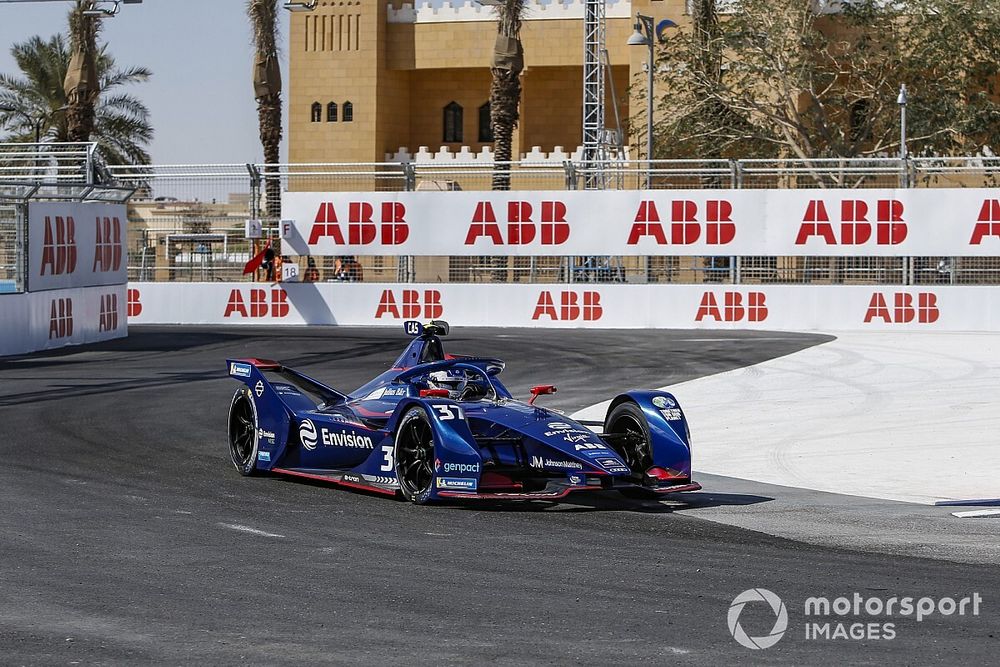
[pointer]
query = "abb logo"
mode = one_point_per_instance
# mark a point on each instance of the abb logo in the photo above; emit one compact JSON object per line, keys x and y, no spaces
{"x":571,"y":306}
{"x":733,"y":309}
{"x":989,"y":222}
{"x":521,"y":229}
{"x":134,"y":308}
{"x":259,"y":305}
{"x":685,"y":228}
{"x":108,"y":245}
{"x":59,"y":246}
{"x":109,"y":313}
{"x":855,"y":228}
{"x":410,"y":305}
{"x":903,"y":309}
{"x":61,"y":318}
{"x":361,"y":228}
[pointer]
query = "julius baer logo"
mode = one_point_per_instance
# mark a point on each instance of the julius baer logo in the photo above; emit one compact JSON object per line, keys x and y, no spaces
{"x":847,"y":618}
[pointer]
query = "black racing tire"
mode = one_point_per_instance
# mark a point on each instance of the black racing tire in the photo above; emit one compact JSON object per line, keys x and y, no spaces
{"x":636,"y":451}
{"x":414,"y":456}
{"x":243,"y":441}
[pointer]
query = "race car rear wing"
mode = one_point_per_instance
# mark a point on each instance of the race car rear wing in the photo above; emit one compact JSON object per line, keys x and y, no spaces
{"x":271,"y":371}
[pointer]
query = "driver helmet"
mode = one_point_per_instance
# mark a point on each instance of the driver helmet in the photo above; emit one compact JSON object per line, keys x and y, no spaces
{"x":452,"y":380}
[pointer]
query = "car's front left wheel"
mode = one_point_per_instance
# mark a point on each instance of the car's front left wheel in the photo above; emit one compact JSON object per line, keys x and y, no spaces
{"x":243,"y":432}
{"x":414,"y":453}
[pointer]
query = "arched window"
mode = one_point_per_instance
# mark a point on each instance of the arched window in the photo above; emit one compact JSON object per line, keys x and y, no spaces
{"x":317,"y":112}
{"x":348,"y":112}
{"x":331,"y":112}
{"x":485,"y":124}
{"x":452,"y":123}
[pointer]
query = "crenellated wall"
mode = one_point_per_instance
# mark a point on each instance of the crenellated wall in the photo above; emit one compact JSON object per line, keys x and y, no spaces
{"x":448,"y":12}
{"x":400,"y":64}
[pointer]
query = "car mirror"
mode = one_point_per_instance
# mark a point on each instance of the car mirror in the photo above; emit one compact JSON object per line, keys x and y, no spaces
{"x":540,"y":389}
{"x":434,"y":393}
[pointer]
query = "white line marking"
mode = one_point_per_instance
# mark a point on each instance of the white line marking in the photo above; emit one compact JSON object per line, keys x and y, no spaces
{"x":976,"y":513}
{"x":248,"y":529}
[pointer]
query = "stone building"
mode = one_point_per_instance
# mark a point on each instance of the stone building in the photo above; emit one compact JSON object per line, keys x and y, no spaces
{"x":368,"y":78}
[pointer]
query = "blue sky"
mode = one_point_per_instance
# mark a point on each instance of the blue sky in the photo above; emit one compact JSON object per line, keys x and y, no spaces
{"x":200,"y":96}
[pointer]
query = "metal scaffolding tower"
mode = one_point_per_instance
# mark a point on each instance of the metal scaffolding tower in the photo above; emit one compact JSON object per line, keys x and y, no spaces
{"x":594,"y":140}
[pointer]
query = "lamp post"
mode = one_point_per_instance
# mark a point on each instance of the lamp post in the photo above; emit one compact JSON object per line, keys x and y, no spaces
{"x":901,"y":101}
{"x":300,"y":5}
{"x":643,"y":36}
{"x":37,"y":123}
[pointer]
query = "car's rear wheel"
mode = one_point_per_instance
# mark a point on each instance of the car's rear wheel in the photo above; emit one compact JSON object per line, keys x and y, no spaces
{"x":243,"y":432}
{"x":414,"y":454}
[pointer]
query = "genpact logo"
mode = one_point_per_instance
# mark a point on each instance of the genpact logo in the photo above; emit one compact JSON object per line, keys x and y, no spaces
{"x":780,"y":620}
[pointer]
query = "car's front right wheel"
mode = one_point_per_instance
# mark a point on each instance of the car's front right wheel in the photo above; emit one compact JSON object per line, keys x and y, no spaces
{"x":414,"y":453}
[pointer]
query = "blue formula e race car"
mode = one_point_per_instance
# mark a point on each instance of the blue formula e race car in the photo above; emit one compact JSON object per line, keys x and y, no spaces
{"x":440,"y":426}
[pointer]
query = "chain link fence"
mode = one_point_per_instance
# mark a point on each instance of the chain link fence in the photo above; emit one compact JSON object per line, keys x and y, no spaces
{"x":11,"y":260}
{"x":187,"y":221}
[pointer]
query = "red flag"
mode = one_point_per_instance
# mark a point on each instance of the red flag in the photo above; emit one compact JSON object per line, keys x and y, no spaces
{"x":256,"y":261}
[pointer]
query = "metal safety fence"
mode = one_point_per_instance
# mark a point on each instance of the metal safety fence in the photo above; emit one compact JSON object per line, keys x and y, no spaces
{"x":187,"y":221}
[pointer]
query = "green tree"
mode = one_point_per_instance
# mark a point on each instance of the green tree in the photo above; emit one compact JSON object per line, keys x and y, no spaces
{"x":263,"y":16}
{"x":121,"y":126}
{"x":505,"y":88}
{"x":794,"y":82}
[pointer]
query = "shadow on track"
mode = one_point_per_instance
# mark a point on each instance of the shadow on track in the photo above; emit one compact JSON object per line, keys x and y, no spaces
{"x":581,"y":502}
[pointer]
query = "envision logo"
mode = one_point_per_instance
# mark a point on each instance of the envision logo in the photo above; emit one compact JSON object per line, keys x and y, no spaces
{"x":307,"y":434}
{"x":780,"y":621}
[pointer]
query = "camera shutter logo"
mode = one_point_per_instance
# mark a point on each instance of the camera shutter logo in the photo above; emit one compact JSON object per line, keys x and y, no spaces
{"x":780,"y":621}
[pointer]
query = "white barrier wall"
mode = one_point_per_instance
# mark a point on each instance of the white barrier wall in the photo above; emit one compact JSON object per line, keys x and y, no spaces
{"x":72,"y":244}
{"x":768,"y":307}
{"x":914,"y":222}
{"x":76,"y":278}
{"x":43,"y":320}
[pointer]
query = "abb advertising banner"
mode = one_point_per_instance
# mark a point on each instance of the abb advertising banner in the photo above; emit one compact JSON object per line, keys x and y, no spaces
{"x":768,"y":307}
{"x":44,"y":320}
{"x":76,"y":245}
{"x":927,"y":222}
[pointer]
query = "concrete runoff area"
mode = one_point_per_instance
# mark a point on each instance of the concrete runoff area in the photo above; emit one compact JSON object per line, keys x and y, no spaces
{"x":128,"y":537}
{"x":900,"y":416}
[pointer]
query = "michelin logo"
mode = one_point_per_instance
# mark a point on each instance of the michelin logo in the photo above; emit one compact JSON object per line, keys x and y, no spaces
{"x":456,"y":483}
{"x":239,"y":370}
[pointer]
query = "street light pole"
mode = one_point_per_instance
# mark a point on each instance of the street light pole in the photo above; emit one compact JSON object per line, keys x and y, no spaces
{"x":643,"y":36}
{"x":901,"y":101}
{"x":36,"y":123}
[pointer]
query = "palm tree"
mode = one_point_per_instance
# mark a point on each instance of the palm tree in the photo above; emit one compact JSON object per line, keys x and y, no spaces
{"x":82,"y":84}
{"x":267,"y":90}
{"x":505,"y":90}
{"x":121,"y":126}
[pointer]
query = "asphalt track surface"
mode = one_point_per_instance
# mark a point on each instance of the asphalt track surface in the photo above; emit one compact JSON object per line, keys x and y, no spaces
{"x":127,"y":537}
